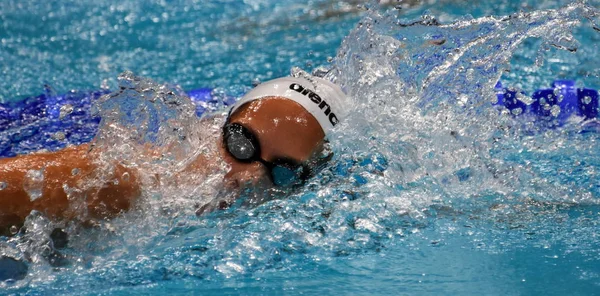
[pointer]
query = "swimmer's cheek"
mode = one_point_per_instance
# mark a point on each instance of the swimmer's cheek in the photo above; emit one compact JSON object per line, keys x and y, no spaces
{"x":243,"y":175}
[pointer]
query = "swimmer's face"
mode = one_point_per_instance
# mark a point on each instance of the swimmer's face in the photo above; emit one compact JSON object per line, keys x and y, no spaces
{"x":283,"y":130}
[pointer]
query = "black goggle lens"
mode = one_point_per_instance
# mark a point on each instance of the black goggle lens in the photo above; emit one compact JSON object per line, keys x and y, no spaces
{"x":240,"y":146}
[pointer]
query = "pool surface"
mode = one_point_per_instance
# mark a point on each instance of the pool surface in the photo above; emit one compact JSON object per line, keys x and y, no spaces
{"x":433,"y":190}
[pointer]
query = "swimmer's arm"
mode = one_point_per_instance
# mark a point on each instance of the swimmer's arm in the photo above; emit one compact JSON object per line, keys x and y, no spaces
{"x":41,"y":182}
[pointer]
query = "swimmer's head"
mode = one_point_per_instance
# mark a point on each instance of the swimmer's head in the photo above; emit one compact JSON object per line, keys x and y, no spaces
{"x":276,"y":132}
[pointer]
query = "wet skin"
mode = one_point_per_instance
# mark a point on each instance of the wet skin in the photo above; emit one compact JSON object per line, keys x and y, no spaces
{"x":282,"y":127}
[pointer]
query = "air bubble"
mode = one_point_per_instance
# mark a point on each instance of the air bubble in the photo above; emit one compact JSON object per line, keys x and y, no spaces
{"x":75,"y":172}
{"x":3,"y":185}
{"x":65,"y":110}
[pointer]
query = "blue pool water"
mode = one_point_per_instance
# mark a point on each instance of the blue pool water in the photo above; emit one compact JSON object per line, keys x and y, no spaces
{"x":432,"y":190}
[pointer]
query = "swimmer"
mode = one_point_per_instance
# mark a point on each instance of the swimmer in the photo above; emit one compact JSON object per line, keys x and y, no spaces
{"x":273,"y":136}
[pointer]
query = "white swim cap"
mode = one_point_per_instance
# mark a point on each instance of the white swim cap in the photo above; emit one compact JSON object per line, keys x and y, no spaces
{"x":320,"y":97}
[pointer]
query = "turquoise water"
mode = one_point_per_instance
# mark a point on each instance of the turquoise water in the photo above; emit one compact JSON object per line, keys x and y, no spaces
{"x":432,"y":191}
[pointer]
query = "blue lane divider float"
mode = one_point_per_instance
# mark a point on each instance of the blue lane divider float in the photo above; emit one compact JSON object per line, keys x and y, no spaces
{"x":554,"y":105}
{"x":53,"y":122}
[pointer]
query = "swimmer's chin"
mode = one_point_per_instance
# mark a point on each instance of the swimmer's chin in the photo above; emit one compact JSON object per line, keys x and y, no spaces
{"x":246,"y":195}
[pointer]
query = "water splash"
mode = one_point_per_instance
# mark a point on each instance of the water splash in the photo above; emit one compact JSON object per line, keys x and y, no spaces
{"x":428,"y":86}
{"x":152,"y":128}
{"x":422,"y":163}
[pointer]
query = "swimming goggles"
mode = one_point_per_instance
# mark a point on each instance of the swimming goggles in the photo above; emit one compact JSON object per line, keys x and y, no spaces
{"x":243,"y":146}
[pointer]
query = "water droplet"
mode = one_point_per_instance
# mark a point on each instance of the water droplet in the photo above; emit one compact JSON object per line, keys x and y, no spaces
{"x":470,"y":74}
{"x":462,"y":100}
{"x":13,"y":229}
{"x":65,"y":110}
{"x":59,"y":136}
{"x":104,"y":84}
{"x":556,"y":92}
{"x":72,"y":193}
{"x":45,"y":250}
{"x":516,"y":111}
{"x":555,"y":110}
{"x":33,"y":183}
{"x":525,"y":99}
{"x":587,"y":99}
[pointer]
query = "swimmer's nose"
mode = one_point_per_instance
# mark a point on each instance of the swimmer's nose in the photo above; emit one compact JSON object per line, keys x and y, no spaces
{"x":243,"y":175}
